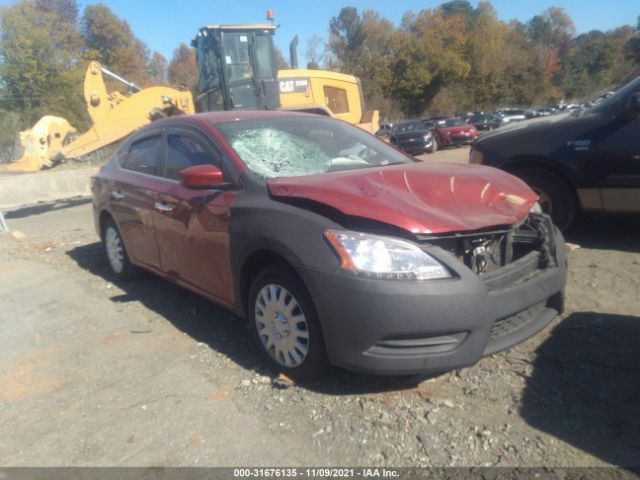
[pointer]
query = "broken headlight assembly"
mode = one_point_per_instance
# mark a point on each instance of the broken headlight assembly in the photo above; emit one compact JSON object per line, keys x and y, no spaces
{"x":376,"y":256}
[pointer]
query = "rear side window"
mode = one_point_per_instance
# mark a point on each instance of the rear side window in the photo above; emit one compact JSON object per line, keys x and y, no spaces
{"x":184,"y":152}
{"x":143,"y":156}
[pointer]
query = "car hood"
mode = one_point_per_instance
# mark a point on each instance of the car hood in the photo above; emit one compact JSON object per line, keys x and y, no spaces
{"x":418,"y":197}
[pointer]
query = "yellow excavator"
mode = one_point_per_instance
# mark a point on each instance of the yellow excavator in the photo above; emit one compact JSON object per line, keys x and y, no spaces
{"x":113,"y":116}
{"x":236,"y":70}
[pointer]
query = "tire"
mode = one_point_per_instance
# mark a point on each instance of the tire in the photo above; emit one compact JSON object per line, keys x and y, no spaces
{"x":557,"y":198}
{"x":434,"y":146}
{"x":285,"y":326}
{"x":117,"y":255}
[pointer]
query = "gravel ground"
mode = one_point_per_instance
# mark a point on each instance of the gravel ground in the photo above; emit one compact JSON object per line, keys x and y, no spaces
{"x":568,"y":397}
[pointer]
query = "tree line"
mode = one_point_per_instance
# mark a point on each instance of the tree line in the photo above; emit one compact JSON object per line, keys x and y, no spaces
{"x":459,"y":58}
{"x":45,"y":48}
{"x":437,"y":61}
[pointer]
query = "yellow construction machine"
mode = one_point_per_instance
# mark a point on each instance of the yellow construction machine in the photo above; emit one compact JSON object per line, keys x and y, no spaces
{"x":113,"y":116}
{"x":236,"y":71}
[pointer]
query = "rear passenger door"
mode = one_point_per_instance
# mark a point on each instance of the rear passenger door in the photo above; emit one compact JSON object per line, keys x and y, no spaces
{"x":192,"y":226}
{"x":132,"y":197}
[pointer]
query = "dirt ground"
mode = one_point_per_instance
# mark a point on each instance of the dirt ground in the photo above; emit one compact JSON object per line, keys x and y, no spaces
{"x":97,"y":372}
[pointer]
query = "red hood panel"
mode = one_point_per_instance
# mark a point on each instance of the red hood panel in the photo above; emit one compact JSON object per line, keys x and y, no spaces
{"x":419,"y":197}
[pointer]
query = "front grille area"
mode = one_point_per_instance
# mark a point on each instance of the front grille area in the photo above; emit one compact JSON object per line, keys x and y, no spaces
{"x":503,"y":257}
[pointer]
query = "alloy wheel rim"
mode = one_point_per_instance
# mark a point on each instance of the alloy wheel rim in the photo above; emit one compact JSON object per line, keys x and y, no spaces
{"x":115,"y":252}
{"x":282,"y":326}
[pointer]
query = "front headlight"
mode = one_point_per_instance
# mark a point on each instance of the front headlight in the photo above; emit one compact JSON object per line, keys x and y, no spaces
{"x":475,"y":156}
{"x":376,"y":256}
{"x":427,"y":138}
{"x":537,"y":209}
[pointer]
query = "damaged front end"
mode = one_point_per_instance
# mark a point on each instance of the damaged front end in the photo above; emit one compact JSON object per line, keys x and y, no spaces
{"x":486,"y":253}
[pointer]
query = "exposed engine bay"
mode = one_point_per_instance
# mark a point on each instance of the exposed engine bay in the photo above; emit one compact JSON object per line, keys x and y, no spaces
{"x":485,"y":252}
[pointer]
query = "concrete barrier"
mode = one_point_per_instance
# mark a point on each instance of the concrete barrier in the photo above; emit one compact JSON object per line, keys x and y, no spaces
{"x":49,"y":185}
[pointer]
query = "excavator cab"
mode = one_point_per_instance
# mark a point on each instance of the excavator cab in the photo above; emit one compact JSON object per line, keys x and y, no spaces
{"x":237,"y":68}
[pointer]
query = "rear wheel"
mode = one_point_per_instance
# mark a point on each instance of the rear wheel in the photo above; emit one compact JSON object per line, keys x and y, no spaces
{"x":285,"y":325}
{"x":556,"y":195}
{"x":117,"y":255}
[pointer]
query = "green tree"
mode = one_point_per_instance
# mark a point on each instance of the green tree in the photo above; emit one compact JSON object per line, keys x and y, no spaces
{"x":182,"y":68}
{"x":157,"y":69}
{"x":39,"y":67}
{"x":436,"y":47}
{"x":110,"y":40}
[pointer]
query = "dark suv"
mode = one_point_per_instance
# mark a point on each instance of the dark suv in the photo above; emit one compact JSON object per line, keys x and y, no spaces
{"x":587,"y":160}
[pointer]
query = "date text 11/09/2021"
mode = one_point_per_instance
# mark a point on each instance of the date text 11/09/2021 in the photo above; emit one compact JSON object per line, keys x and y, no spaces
{"x":315,"y":472}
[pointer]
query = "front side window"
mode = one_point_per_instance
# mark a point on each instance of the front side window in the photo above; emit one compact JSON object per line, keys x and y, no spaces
{"x":142,"y":156}
{"x":236,"y":56}
{"x":185,"y":151}
{"x":265,"y":57}
{"x":294,"y":146}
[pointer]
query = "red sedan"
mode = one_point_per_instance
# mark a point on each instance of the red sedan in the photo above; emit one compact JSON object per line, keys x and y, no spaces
{"x":335,"y":247}
{"x":455,"y":132}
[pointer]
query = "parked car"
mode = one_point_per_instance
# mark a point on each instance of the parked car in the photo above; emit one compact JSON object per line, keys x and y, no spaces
{"x":485,"y":121}
{"x":413,"y":137}
{"x":587,"y":160}
{"x":511,"y":115}
{"x":335,"y":247}
{"x":384,"y":130}
{"x":455,"y":132}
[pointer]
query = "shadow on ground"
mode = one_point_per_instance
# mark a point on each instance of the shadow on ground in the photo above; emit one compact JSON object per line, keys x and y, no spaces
{"x":585,"y":386}
{"x":606,"y":231}
{"x":218,"y":328}
{"x":47,"y":207}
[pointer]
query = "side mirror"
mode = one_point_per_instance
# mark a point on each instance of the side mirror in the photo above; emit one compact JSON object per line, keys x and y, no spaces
{"x":201,"y":177}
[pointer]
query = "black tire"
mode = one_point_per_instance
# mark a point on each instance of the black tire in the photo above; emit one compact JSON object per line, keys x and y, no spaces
{"x":557,"y":197}
{"x":121,"y":266}
{"x":314,"y":363}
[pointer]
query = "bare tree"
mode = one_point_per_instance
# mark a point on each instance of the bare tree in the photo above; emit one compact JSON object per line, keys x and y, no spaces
{"x":316,"y":49}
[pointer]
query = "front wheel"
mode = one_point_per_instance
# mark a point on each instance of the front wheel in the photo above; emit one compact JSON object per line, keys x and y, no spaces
{"x":556,"y":196}
{"x":284,"y":324}
{"x":117,"y":255}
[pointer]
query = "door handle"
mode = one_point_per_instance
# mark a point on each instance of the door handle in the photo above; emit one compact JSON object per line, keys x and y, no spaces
{"x":117,"y":195}
{"x":163,"y":207}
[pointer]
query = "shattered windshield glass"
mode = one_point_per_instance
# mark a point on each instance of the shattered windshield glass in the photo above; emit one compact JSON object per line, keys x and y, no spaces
{"x":288,"y":146}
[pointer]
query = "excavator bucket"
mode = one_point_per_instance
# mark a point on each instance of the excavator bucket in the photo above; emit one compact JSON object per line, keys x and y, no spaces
{"x":40,"y":144}
{"x":114,"y":116}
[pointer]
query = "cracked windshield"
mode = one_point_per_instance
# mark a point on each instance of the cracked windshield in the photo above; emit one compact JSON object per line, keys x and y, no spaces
{"x":295,"y":146}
